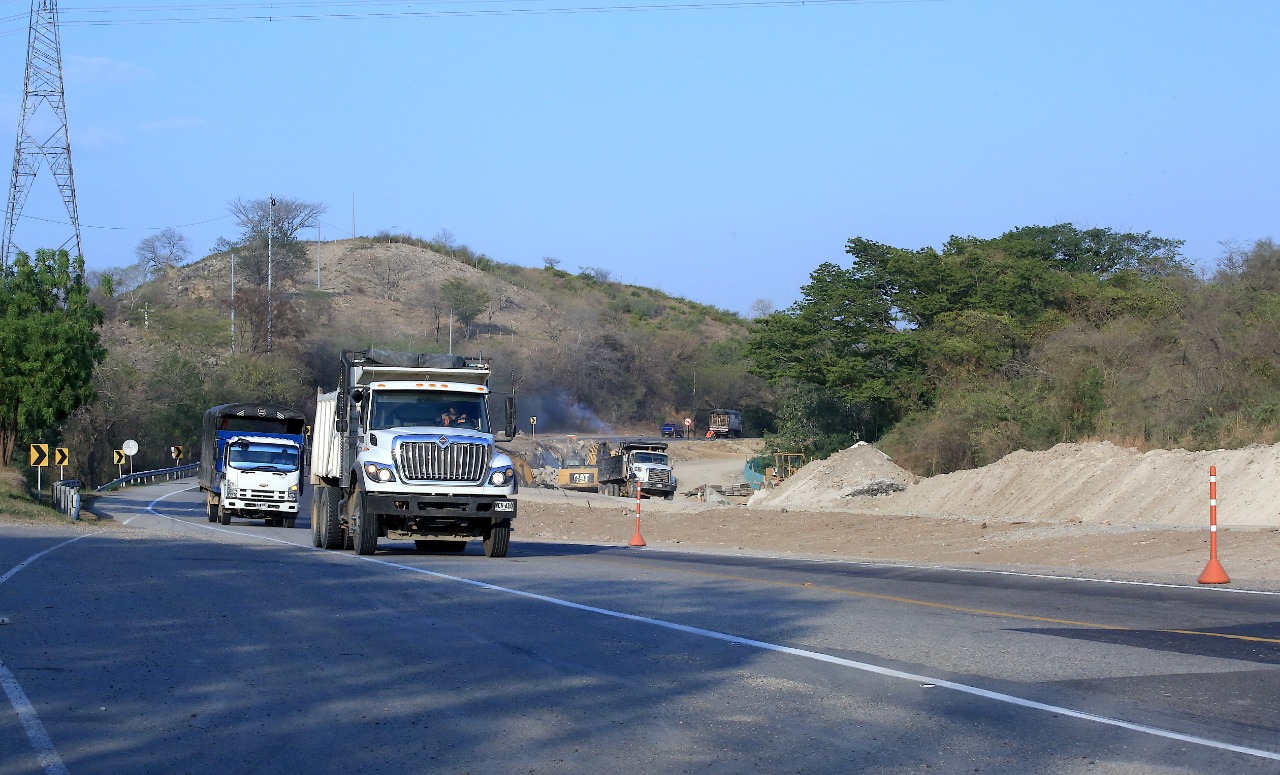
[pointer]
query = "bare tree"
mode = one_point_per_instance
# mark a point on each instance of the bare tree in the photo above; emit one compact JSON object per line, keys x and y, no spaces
{"x":597,"y":273}
{"x":388,"y":271}
{"x":286,"y":216}
{"x":761,"y":308}
{"x":550,"y":262}
{"x":268,"y":241}
{"x":163,"y":250}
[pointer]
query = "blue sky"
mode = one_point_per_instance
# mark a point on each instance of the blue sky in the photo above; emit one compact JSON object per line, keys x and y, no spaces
{"x":718,"y":154}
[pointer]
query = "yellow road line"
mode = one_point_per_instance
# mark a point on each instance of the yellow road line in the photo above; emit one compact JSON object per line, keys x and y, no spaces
{"x":961,"y":609}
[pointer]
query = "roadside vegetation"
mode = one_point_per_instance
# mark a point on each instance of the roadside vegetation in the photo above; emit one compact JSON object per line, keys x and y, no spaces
{"x":950,"y":359}
{"x":17,"y":504}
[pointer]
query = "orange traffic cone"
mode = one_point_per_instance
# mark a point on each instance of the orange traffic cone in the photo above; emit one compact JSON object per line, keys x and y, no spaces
{"x":1214,"y":573}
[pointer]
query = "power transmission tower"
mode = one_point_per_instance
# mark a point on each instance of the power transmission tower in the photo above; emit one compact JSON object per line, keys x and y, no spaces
{"x":43,"y":87}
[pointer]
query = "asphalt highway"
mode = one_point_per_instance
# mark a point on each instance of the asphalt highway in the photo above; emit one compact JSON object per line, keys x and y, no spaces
{"x":166,"y":644}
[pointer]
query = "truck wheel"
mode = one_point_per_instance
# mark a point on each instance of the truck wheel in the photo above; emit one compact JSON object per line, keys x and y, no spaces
{"x":670,"y":496}
{"x":290,"y":521}
{"x":317,"y":539}
{"x":497,"y":540}
{"x":224,"y":518}
{"x":330,"y":518}
{"x":365,"y":527}
{"x":213,"y":512}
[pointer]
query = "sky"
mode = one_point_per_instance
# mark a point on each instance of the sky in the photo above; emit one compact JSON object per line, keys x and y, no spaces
{"x":719,"y":151}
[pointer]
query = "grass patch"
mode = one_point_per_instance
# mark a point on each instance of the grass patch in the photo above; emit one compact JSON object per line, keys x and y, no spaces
{"x":17,"y":505}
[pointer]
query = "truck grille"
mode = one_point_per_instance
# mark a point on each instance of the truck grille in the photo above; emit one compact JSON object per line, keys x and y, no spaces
{"x":659,"y":476}
{"x":427,"y":461}
{"x":260,"y":495}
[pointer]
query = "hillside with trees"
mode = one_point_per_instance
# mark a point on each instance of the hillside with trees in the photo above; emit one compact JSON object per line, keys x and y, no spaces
{"x":952,"y":358}
{"x":581,"y":351}
{"x":947,"y":358}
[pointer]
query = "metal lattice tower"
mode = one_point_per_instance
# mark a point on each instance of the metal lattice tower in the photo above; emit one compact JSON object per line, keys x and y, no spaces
{"x":43,"y":87}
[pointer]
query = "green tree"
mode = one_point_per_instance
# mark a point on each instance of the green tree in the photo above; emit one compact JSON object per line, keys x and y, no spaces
{"x":48,"y":345}
{"x":465,"y":299}
{"x":898,"y":326}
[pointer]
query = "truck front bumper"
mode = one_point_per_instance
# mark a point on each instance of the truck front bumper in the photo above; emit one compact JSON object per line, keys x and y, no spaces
{"x":406,"y":515}
{"x":235,"y":504}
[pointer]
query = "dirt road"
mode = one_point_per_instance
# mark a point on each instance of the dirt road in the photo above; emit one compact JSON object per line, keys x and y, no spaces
{"x":975,"y":534}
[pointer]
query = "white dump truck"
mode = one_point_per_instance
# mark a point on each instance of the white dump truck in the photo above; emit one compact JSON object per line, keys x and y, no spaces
{"x":403,"y":450}
{"x":632,"y":465}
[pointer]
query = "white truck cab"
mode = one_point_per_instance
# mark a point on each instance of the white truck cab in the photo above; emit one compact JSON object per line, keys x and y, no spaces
{"x":260,"y":477}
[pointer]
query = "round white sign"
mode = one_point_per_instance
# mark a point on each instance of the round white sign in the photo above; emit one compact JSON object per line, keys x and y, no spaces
{"x":130,"y":447}
{"x":688,"y":421}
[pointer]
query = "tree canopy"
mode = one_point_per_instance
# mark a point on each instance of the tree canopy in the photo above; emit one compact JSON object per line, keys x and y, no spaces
{"x":49,"y":345}
{"x":883,"y":335}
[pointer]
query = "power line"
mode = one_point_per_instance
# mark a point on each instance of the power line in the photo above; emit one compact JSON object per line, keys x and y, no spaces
{"x":131,"y":228}
{"x":301,"y":11}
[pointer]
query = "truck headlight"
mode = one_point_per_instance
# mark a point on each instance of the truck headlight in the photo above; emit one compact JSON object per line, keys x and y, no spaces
{"x":501,"y":477}
{"x":379,"y":472}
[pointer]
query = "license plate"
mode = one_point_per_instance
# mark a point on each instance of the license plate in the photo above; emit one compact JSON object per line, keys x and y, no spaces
{"x":504,"y":506}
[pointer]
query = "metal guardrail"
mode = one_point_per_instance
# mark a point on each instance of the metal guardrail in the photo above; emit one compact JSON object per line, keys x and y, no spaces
{"x":66,"y":497}
{"x":146,"y":477}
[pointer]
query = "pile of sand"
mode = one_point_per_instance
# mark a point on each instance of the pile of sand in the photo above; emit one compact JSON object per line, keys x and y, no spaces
{"x":829,"y":485}
{"x":1095,"y":482}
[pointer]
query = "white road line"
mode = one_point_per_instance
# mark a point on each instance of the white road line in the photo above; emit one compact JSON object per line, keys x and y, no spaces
{"x":37,"y":556}
{"x":48,"y":757}
{"x":805,"y":654}
{"x":46,"y":754}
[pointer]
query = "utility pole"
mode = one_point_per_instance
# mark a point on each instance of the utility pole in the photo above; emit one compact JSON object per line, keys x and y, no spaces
{"x":271,"y":223}
{"x":233,"y":301}
{"x":43,"y":86}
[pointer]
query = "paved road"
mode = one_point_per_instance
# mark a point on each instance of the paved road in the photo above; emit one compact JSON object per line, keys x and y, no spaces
{"x":169,"y":645}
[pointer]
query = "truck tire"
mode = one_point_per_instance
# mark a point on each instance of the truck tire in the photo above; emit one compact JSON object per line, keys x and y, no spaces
{"x":317,"y":539}
{"x":670,"y":496}
{"x":330,"y":517}
{"x":497,"y":540}
{"x":364,"y":526}
{"x":213,"y":511}
{"x":224,"y":518}
{"x":290,"y":521}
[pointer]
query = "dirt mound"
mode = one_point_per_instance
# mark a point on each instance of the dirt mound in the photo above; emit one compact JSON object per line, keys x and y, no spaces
{"x":1095,"y":482}
{"x":828,"y":485}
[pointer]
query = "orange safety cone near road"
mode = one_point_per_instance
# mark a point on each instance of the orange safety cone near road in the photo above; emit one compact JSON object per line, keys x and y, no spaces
{"x":1213,"y":573}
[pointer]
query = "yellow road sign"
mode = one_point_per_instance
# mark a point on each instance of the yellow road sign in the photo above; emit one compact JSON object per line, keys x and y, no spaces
{"x":40,"y":455}
{"x":176,"y":451}
{"x":120,"y":457}
{"x":61,"y":455}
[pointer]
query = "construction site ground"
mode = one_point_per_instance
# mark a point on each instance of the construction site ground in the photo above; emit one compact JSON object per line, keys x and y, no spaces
{"x":1089,"y":510}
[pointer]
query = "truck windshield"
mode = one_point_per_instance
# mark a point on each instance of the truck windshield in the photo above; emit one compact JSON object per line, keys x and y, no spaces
{"x":411,"y":408}
{"x":256,"y":456}
{"x":653,"y":458}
